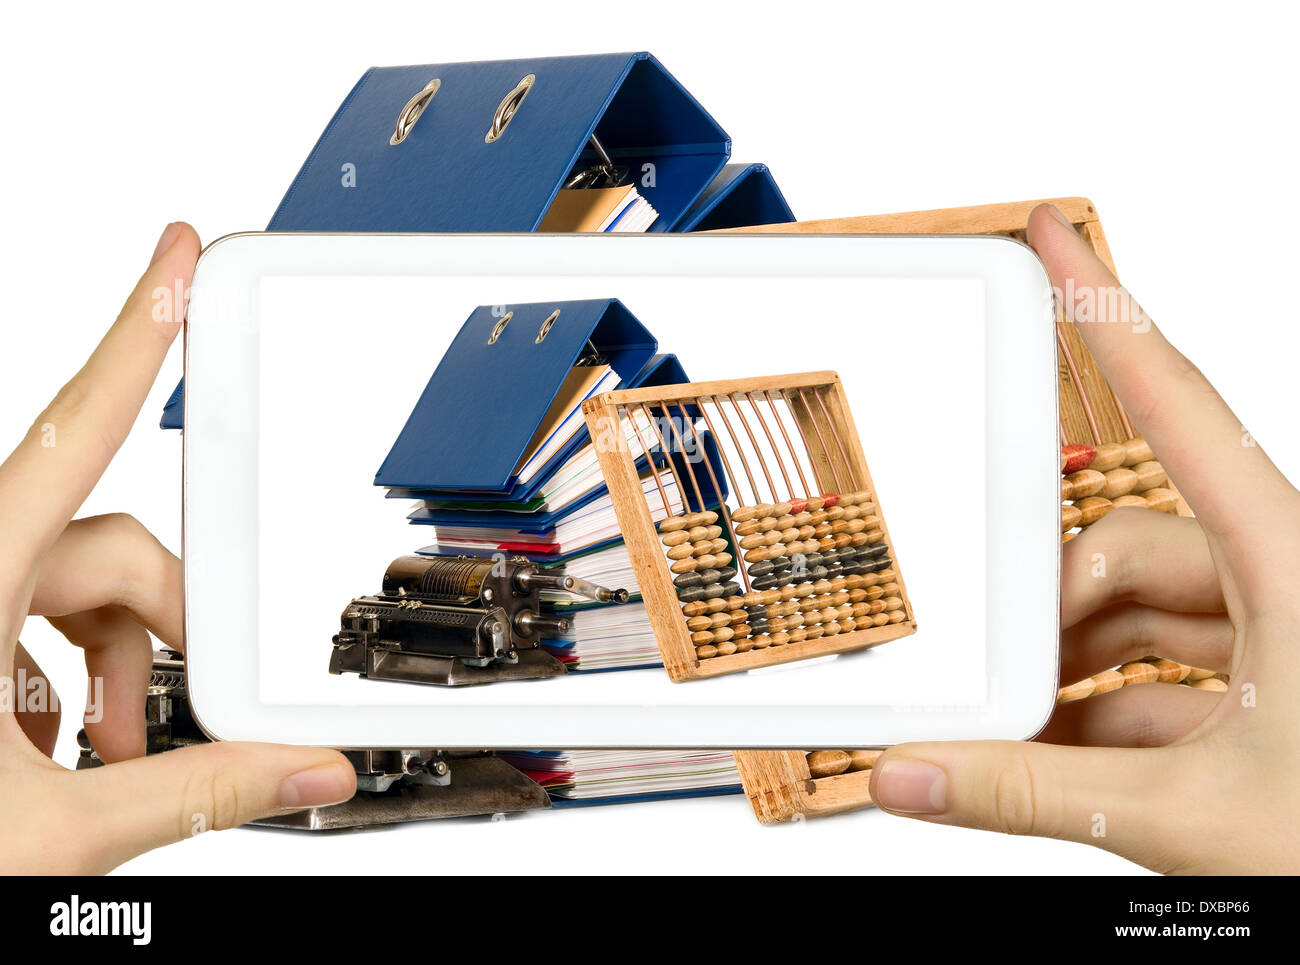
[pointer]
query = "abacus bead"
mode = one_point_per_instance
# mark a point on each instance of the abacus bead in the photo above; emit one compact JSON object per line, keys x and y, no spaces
{"x":1069,"y":517}
{"x":1119,"y":482}
{"x":672,"y":524}
{"x":698,"y":623}
{"x":1139,"y":673}
{"x":676,"y":537}
{"x":1170,"y":671}
{"x":681,"y":551}
{"x":880,"y":619}
{"x":896,"y":616}
{"x":1149,"y":475}
{"x":761,"y":641}
{"x":780,"y":639}
{"x":701,"y":637}
{"x":1132,"y":499}
{"x":723,"y":634}
{"x":1162,"y":500}
{"x":726,"y":648}
{"x":706,"y":651}
{"x":745,"y":515}
{"x":684,"y":566}
{"x":1136,"y":450}
{"x":798,"y":634}
{"x":1081,"y":484}
{"x":815,"y":632}
{"x":1092,"y":509}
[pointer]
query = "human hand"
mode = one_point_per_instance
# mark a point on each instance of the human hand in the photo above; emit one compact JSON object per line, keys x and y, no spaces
{"x":103,"y":582}
{"x":1176,"y":779}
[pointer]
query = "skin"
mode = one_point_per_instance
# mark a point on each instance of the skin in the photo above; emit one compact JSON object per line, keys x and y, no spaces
{"x":1188,"y":781}
{"x":105,"y":583}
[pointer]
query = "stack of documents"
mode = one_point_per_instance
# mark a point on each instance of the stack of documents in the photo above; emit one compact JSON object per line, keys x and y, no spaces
{"x":607,"y":777}
{"x":499,"y":460}
{"x":600,"y":209}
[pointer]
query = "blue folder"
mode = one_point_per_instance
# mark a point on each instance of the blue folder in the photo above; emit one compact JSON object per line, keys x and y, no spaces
{"x":742,"y":196}
{"x":495,"y":384}
{"x":446,"y":175}
{"x":662,"y":369}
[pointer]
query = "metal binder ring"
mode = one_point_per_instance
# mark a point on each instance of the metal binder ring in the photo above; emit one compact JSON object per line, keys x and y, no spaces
{"x":546,"y":326}
{"x":412,"y":111}
{"x":500,"y":327}
{"x":506,"y":109}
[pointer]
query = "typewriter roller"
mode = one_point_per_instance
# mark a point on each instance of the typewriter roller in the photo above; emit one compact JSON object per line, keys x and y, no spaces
{"x":455,"y":621}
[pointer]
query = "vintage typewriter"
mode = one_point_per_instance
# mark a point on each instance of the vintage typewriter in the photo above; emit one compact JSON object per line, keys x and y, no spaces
{"x":455,"y":621}
{"x":393,"y":786}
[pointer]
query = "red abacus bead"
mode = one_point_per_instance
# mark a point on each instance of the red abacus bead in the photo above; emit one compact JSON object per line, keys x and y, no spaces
{"x":797,"y":506}
{"x":1077,"y":456}
{"x":829,"y":500}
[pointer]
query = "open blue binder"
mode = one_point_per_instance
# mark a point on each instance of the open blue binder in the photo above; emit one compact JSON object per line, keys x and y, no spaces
{"x":741,"y":196}
{"x":444,"y":176}
{"x":496,"y":382}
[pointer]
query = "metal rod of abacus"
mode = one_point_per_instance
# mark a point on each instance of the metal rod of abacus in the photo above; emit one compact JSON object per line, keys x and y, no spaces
{"x":758,"y":453}
{"x":650,"y":459}
{"x":854,"y":481}
{"x":803,"y":437}
{"x":771,"y":441}
{"x":794,"y":457}
{"x":663,"y":447}
{"x":735,"y":441}
{"x":830,"y":463}
{"x":686,"y":460}
{"x":726,"y":463}
{"x":717,"y":490}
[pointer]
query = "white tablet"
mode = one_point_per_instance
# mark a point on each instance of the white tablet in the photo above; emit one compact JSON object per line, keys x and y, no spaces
{"x":401,"y":501}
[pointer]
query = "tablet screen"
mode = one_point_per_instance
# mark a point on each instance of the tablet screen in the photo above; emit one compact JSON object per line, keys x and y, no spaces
{"x":391,"y":496}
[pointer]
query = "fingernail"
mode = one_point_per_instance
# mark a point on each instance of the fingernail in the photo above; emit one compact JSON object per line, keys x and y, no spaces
{"x":316,"y":787}
{"x":911,"y":787}
{"x":165,"y":241}
{"x":1059,"y":215}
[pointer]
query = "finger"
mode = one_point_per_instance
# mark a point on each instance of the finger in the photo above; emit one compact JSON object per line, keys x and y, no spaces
{"x":142,"y":804}
{"x":1129,"y":631}
{"x":113,"y":561}
{"x":1225,"y":477}
{"x":1153,"y":558}
{"x":38,"y":719}
{"x":63,"y":455}
{"x":1101,"y":796}
{"x":1146,"y":715}
{"x":119,"y":658}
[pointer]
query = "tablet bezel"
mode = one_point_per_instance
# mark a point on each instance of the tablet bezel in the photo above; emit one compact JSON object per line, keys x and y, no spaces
{"x":220,"y":489}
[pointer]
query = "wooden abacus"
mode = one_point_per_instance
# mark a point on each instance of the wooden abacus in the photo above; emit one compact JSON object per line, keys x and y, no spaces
{"x":784,"y":784}
{"x":802,"y":565}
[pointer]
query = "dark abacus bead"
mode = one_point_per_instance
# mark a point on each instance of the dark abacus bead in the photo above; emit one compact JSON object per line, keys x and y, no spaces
{"x":758,"y":625}
{"x":766,"y":582}
{"x":731,"y":589}
{"x":690,"y":594}
{"x":687,"y":580}
{"x":883,"y":563}
{"x":814,"y":559}
{"x":726,"y":574}
{"x":876,"y":549}
{"x":856,"y":569}
{"x":713,"y":591}
{"x":762,"y":568}
{"x":817,"y":573}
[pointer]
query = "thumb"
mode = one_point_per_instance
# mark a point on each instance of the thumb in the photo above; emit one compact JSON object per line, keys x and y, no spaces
{"x":141,"y":804}
{"x":1099,"y":796}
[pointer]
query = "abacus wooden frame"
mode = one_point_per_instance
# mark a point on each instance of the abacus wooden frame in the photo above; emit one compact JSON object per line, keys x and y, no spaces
{"x":653,"y":574}
{"x":779,"y":783}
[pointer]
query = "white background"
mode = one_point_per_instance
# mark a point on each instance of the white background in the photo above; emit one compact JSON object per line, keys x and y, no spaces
{"x":329,"y":415}
{"x":1176,"y":121}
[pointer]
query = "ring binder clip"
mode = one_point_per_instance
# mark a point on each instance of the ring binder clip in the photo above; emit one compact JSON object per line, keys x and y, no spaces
{"x":605,"y":174}
{"x":500,"y":327}
{"x":546,"y":327}
{"x":506,"y":110}
{"x":412,"y":111}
